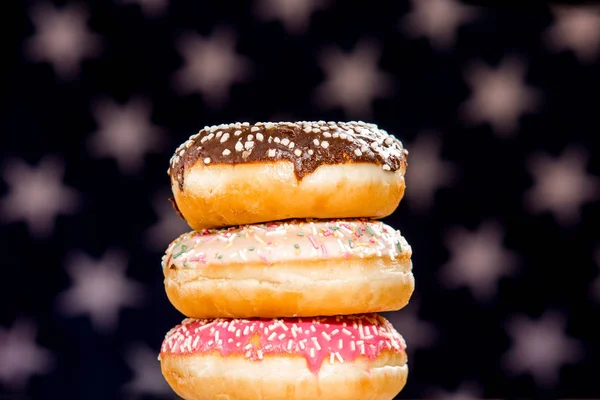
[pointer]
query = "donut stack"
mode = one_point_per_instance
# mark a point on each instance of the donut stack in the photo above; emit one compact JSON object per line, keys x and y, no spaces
{"x":287,"y":265}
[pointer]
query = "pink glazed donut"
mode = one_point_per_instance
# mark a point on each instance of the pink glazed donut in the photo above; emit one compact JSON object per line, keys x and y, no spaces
{"x":338,"y":357}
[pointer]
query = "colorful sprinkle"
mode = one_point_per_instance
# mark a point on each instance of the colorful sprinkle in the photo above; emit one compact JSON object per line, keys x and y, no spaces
{"x":183,"y":250}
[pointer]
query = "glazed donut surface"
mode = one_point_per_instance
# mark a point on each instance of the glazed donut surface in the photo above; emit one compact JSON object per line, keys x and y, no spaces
{"x":340,"y":357}
{"x":240,"y":174}
{"x":289,"y":268}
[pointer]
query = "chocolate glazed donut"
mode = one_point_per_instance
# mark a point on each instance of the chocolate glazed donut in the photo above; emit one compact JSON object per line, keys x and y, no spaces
{"x":239,"y":173}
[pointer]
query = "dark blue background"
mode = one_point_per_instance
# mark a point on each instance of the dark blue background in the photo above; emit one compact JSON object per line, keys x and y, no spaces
{"x":43,"y":115}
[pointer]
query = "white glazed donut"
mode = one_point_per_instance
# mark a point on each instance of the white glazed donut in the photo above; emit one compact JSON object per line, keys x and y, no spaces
{"x":237,"y":174}
{"x":333,"y":358}
{"x":289,"y":268}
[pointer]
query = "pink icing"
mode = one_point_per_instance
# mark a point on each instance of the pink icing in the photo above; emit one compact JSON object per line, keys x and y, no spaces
{"x":336,"y":339}
{"x":277,"y":241}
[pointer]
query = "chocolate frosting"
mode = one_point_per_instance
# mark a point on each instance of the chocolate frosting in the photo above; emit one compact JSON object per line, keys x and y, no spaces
{"x":307,"y":145}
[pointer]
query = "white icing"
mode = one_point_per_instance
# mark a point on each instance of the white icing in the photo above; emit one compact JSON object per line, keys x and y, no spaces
{"x":282,"y":241}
